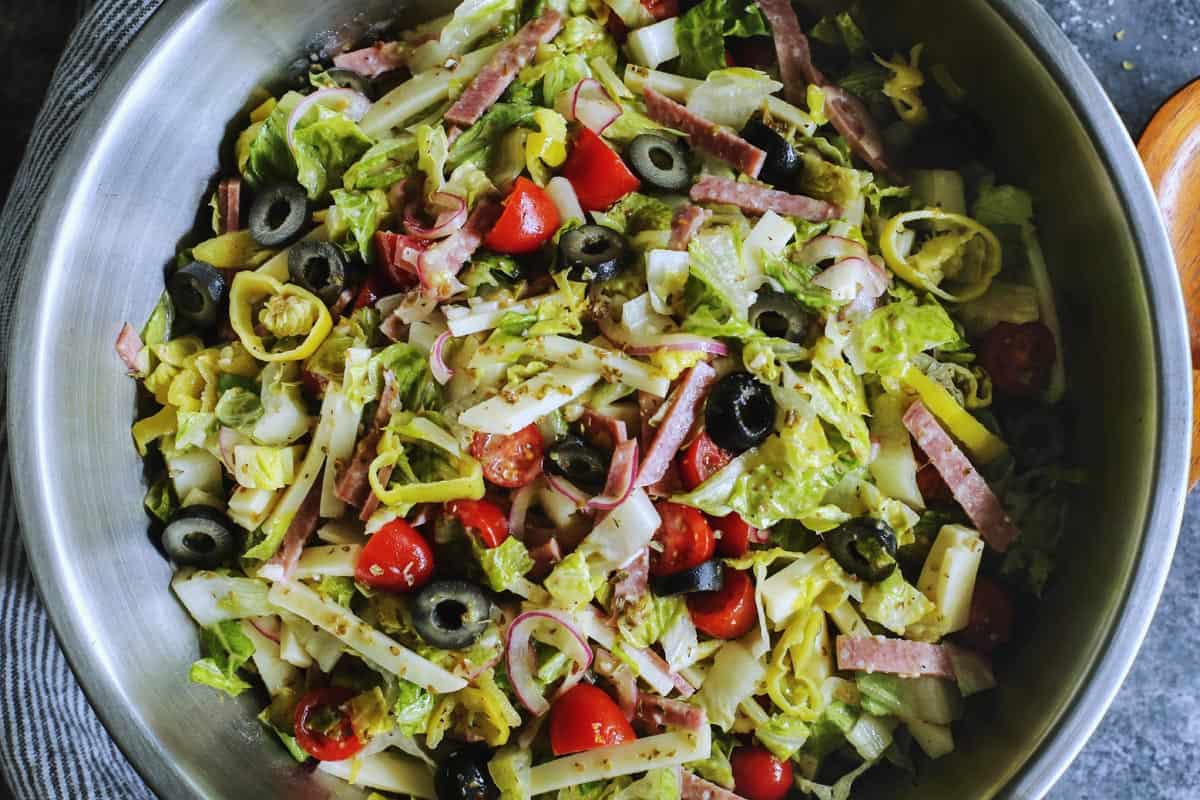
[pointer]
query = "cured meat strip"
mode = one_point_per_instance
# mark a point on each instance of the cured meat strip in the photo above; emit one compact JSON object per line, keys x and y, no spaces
{"x":353,"y":486}
{"x":761,"y":199}
{"x":281,"y":565}
{"x":853,"y":121}
{"x":622,"y":679}
{"x":658,"y":712}
{"x":491,"y":82}
{"x":696,"y":788}
{"x":686,"y":223}
{"x":129,"y":345}
{"x":635,"y":579}
{"x":705,"y":135}
{"x":229,"y":205}
{"x":966,"y":484}
{"x":438,"y":266}
{"x":796,"y":66}
{"x":893,"y":656}
{"x":372,"y":61}
{"x":684,"y":403}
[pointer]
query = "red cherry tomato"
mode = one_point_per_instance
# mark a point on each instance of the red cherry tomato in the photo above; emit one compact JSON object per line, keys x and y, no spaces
{"x":510,"y":461}
{"x":736,"y":535}
{"x":930,"y":482}
{"x":684,"y":539}
{"x":702,"y":458}
{"x":598,"y":175}
{"x":758,"y":775}
{"x":991,"y":618}
{"x":728,"y":612}
{"x":585,"y":718}
{"x":396,"y":558}
{"x":528,"y":221}
{"x":323,"y":727}
{"x":483,"y":517}
{"x":1018,"y":357}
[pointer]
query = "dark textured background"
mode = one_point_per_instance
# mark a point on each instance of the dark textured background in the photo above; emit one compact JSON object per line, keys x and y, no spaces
{"x":1148,"y":746}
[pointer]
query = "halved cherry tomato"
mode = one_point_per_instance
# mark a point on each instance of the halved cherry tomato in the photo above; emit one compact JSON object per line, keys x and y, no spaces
{"x":930,"y":482}
{"x":585,"y":718}
{"x":1018,"y":357}
{"x":323,"y":727}
{"x":662,"y":9}
{"x":396,"y":558}
{"x":991,"y":620}
{"x":702,"y":458}
{"x":528,"y":221}
{"x":510,"y":461}
{"x":728,"y":612}
{"x":598,"y":175}
{"x":483,"y":517}
{"x":758,"y":775}
{"x":684,"y":539}
{"x":736,"y":535}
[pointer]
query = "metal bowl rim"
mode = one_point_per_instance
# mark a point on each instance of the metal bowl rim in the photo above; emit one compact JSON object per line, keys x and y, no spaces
{"x":1083,"y":712}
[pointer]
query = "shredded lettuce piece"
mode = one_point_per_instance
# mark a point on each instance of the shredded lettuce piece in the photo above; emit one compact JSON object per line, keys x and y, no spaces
{"x":644,"y":622}
{"x":354,"y":218}
{"x":887,"y":341}
{"x":385,"y":163}
{"x":571,"y":584}
{"x":509,"y":769}
{"x":782,"y":735}
{"x":225,"y":648}
{"x":731,"y":96}
{"x":635,"y":213}
{"x":701,"y":31}
{"x":503,"y":564}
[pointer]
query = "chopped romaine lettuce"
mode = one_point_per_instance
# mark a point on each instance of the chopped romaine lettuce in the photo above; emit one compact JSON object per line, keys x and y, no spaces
{"x":702,"y":29}
{"x":224,"y":649}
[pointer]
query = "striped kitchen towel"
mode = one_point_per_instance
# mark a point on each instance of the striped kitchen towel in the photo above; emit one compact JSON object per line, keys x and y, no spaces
{"x":51,"y":743}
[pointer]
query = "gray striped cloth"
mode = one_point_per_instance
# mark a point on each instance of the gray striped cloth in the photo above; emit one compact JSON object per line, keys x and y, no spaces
{"x":51,"y":744}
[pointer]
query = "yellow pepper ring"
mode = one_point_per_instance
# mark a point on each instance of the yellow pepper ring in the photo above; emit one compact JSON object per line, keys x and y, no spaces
{"x":900,"y":264}
{"x":250,"y":288}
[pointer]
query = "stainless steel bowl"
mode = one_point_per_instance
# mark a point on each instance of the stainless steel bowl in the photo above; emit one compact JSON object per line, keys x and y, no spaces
{"x":129,"y":187}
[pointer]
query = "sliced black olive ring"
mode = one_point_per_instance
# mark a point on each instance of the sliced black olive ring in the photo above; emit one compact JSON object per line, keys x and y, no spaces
{"x":319,"y":267}
{"x":278,"y":214}
{"x":660,"y":162}
{"x":197,"y":292}
{"x":199,"y":536}
{"x":779,"y":315}
{"x":864,"y":547}
{"x":592,"y":253}
{"x":782,"y":163}
{"x":578,"y":462}
{"x":451,"y":614}
{"x":707,"y":577}
{"x":740,"y":412}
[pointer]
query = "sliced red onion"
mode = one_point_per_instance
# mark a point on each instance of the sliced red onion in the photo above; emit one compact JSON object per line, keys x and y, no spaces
{"x":646,"y":345}
{"x":520,"y":658}
{"x":227,"y":439}
{"x":564,"y":487}
{"x":590,"y":104}
{"x":437,"y":360}
{"x":852,"y":277}
{"x":835,"y":248}
{"x":452,"y":215}
{"x":621,"y":473}
{"x":596,"y":424}
{"x":267,"y":626}
{"x":355,"y":105}
{"x":521,"y":500}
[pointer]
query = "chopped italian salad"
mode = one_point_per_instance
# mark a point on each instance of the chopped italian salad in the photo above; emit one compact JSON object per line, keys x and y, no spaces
{"x":599,"y":401}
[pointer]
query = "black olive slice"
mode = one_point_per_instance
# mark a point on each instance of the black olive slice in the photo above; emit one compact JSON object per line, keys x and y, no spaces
{"x":578,"y":462}
{"x":740,"y":412}
{"x":782,"y":163}
{"x":197,"y":292}
{"x":319,"y":267}
{"x":278,"y":214}
{"x":592,"y":253}
{"x":463,"y":775}
{"x":451,"y":614}
{"x":707,"y":577}
{"x":660,"y":162}
{"x":779,"y":315}
{"x":199,"y":536}
{"x":864,"y":547}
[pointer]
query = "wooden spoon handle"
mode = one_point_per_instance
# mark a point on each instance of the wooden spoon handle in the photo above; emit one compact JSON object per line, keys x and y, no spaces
{"x":1170,"y":148}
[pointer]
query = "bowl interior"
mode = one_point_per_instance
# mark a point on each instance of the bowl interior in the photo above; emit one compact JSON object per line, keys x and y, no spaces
{"x":132,"y":185}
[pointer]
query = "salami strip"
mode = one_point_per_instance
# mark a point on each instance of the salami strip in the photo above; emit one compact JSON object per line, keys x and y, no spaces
{"x":966,"y":484}
{"x":893,"y":656}
{"x":796,"y":66}
{"x":761,"y":199}
{"x":686,"y":223}
{"x":229,"y":205}
{"x":705,"y":135}
{"x":372,"y":61}
{"x":684,"y":404}
{"x":503,"y":68}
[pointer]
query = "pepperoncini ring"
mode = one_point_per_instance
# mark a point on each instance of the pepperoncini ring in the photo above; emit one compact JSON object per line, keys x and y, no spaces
{"x":907,"y":266}
{"x":251,"y":288}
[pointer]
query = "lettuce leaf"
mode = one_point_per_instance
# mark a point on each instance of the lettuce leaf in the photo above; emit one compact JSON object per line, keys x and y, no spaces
{"x":510,"y":772}
{"x":475,"y":144}
{"x":643,"y":623}
{"x":635,"y":213}
{"x":387,"y":162}
{"x":503,"y":564}
{"x":239,"y":409}
{"x":570,"y":583}
{"x":325,"y":149}
{"x":225,"y":648}
{"x":354,"y":218}
{"x":263,"y":153}
{"x":411,"y":708}
{"x":701,"y":31}
{"x":782,"y":735}
{"x":890,"y":337}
